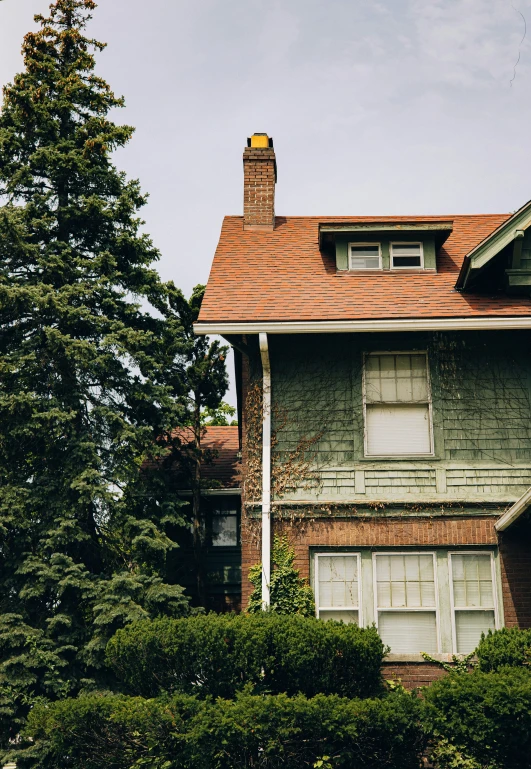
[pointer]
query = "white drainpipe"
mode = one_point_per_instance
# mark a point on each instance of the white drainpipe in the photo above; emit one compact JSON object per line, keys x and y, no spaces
{"x":266,"y":472}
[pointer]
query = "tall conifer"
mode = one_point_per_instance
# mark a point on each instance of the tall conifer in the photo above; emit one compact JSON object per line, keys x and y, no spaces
{"x":88,"y":377}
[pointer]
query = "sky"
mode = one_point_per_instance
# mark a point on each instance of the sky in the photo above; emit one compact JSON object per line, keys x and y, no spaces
{"x":375,"y":107}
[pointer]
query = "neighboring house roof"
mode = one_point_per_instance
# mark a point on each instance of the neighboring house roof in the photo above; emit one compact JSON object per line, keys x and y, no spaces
{"x":224,"y":468}
{"x":224,"y":442}
{"x":282,"y":275}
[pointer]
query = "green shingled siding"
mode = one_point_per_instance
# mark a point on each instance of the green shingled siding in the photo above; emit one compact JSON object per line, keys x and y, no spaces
{"x":481,"y":386}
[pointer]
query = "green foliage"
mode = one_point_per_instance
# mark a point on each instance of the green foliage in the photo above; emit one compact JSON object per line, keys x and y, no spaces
{"x":459,"y":665}
{"x":181,"y":732}
{"x":289,"y":593}
{"x":509,"y":646}
{"x":92,"y":379}
{"x":219,"y":655}
{"x":220,"y":417}
{"x":484,"y":716}
{"x":446,"y":756}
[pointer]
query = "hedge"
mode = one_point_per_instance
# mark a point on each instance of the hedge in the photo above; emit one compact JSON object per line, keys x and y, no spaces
{"x":486,"y":715}
{"x":183,"y":732}
{"x":219,"y":655}
{"x":509,"y":646}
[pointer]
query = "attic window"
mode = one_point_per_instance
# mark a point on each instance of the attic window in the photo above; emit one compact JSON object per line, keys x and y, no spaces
{"x":406,"y":255}
{"x":365,"y":256}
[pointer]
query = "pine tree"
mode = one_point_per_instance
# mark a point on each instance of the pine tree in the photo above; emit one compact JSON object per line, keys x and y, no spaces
{"x":206,"y":383}
{"x":88,"y":378}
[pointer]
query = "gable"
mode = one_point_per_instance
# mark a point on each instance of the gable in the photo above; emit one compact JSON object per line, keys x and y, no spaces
{"x":504,"y":257}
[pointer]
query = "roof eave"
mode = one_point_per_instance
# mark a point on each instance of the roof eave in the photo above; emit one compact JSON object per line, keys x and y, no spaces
{"x":514,"y":512}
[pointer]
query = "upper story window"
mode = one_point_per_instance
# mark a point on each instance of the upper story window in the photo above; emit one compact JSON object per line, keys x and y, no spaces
{"x":406,"y":256}
{"x":365,"y":256}
{"x":225,"y":523}
{"x":397,"y":404}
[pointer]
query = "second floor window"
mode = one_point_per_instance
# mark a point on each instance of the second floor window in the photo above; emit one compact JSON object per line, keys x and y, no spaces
{"x":397,"y":405}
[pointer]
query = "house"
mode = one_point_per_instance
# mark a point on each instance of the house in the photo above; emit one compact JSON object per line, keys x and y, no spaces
{"x":384,"y":376}
{"x":220,"y":509}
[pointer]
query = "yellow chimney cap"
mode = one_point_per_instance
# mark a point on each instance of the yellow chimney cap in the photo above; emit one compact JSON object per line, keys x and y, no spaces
{"x":260,"y":140}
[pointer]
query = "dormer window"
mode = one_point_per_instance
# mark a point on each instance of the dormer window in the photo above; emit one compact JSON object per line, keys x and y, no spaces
{"x":406,"y":256}
{"x":365,"y":256}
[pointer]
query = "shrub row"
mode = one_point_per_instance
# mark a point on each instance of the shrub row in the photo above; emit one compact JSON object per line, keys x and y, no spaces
{"x":182,"y":732}
{"x":486,"y":715}
{"x":219,"y":655}
{"x":509,"y":646}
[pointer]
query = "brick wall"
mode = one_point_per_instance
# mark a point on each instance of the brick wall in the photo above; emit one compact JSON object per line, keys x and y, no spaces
{"x":412,"y":674}
{"x":515,"y":560}
{"x":356,"y":532}
{"x":259,"y":178}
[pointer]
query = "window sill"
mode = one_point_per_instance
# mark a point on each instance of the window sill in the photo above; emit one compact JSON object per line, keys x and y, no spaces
{"x":394,"y":271}
{"x":402,"y":458}
{"x":441,"y":657}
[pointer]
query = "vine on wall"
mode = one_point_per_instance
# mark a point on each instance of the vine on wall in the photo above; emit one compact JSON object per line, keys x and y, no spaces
{"x":290,"y":470}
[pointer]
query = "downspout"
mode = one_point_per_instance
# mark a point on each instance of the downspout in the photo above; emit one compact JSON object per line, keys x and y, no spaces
{"x":266,"y":472}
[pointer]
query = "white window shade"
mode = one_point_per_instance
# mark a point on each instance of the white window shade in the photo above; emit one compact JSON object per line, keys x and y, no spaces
{"x":409,"y":632}
{"x":397,"y":404}
{"x":469,"y":625}
{"x":395,"y":430}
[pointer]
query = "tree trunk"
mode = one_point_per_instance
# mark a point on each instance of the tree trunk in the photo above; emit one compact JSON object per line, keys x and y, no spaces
{"x":198,"y":544}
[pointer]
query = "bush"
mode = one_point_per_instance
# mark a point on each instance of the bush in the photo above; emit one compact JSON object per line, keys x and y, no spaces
{"x":487,"y":716}
{"x":509,"y":646}
{"x":219,"y":655}
{"x":182,"y":732}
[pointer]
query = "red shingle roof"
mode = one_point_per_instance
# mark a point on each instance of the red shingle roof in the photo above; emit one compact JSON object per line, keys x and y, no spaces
{"x":224,"y":467}
{"x":223,"y":440}
{"x":282,"y":275}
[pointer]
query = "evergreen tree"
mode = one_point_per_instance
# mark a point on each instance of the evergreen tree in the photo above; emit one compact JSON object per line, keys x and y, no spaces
{"x":206,"y":383}
{"x":88,"y":378}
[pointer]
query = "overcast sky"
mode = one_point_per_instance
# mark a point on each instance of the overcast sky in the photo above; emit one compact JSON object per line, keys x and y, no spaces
{"x":375,"y":106}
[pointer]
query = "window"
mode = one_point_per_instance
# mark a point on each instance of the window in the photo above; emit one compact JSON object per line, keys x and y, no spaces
{"x":397,"y":405}
{"x":406,"y":601}
{"x":406,"y":255}
{"x":434,"y":601}
{"x":224,"y":522}
{"x":337,"y":594}
{"x":365,"y":256}
{"x":473,"y":598}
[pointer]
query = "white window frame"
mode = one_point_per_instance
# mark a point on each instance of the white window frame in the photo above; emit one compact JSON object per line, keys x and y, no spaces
{"x":453,"y":609}
{"x":406,"y":243}
{"x":356,"y":269}
{"x":338,"y":554}
{"x":428,"y":402}
{"x":408,"y":609}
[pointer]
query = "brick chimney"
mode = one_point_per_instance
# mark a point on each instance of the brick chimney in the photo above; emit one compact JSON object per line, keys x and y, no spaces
{"x":259,"y":179}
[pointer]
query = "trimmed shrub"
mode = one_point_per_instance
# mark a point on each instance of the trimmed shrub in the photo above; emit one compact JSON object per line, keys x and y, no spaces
{"x":183,"y":732}
{"x":509,"y":646}
{"x":487,"y":716}
{"x":219,"y":655}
